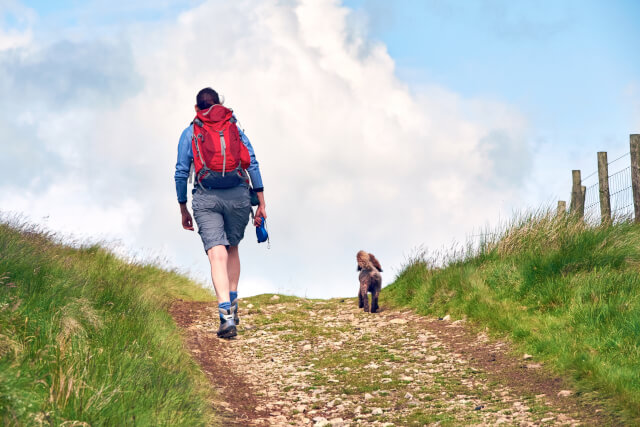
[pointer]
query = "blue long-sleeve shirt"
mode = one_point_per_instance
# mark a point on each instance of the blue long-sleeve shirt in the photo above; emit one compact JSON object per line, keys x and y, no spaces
{"x":185,"y":159}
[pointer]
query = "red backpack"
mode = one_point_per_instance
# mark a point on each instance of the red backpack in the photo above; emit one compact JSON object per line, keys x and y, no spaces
{"x":219,"y":156}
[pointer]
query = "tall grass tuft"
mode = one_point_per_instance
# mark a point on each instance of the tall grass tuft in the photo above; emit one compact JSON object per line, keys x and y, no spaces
{"x":562,"y":289}
{"x":85,"y":338}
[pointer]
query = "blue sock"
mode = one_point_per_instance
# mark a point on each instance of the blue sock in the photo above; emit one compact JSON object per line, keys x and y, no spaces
{"x":233,"y":295}
{"x":225,"y":306}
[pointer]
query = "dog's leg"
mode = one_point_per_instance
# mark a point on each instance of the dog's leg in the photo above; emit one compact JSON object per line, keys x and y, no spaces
{"x":365,"y":300}
{"x":375,"y":286}
{"x":360,"y":299}
{"x":365,"y":280}
{"x":374,"y":301}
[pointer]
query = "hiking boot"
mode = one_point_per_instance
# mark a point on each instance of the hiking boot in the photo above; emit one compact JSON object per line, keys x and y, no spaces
{"x":234,"y":310}
{"x":227,"y":324}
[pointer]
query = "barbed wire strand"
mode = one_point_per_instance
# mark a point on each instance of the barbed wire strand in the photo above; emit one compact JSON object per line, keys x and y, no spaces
{"x":582,"y":180}
{"x":625,"y":154}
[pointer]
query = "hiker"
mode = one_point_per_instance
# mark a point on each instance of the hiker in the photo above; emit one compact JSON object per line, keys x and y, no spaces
{"x":221,"y":200}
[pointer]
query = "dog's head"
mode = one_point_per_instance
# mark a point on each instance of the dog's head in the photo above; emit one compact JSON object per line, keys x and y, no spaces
{"x":362,"y":259}
{"x":366,"y":261}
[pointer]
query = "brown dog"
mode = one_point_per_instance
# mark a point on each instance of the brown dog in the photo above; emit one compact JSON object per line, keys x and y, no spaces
{"x":370,"y":280}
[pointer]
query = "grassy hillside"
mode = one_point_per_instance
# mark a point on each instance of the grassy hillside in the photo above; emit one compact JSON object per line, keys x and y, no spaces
{"x":566,"y":292}
{"x":85,"y":337}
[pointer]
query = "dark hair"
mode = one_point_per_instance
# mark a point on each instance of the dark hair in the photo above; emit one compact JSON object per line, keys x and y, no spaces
{"x":206,"y":98}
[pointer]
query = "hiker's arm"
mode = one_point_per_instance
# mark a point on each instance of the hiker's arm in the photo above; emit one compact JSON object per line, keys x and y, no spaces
{"x":256,"y":180}
{"x":183,"y":167}
{"x":183,"y":164}
{"x":254,"y":167}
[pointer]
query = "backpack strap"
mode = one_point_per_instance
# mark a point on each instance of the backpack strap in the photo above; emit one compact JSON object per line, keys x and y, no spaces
{"x":236,"y":149}
{"x":191,"y":173}
{"x":204,"y":168}
{"x":223,"y":148}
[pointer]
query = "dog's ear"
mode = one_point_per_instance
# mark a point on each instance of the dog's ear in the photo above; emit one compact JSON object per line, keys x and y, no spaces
{"x":375,"y":262}
{"x":361,"y":259}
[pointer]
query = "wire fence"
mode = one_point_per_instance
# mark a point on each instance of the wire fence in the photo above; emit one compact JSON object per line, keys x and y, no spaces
{"x":620,"y":191}
{"x":586,"y":192}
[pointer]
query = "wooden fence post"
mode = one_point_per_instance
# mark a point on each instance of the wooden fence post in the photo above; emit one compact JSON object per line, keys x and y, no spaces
{"x":562,"y":208}
{"x":583,"y":195}
{"x":603,"y":184}
{"x":576,"y":191}
{"x":635,"y":174}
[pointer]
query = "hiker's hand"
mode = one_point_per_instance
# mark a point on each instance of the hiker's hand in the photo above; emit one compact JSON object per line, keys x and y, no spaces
{"x":187,"y":221}
{"x":260,"y":213}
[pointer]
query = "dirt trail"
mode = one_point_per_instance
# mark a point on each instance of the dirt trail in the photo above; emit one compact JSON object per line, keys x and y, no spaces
{"x":302,"y":362}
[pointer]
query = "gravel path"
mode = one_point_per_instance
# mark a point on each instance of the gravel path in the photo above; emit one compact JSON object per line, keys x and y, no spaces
{"x":314,"y":363}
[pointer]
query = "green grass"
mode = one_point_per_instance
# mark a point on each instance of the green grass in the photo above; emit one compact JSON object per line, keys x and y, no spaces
{"x":86,"y":338}
{"x":564,"y":291}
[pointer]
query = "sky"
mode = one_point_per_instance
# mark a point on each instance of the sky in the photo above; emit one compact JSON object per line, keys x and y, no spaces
{"x":385,"y":126}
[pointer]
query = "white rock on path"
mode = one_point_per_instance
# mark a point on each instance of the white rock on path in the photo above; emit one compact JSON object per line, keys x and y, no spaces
{"x":279,"y":420}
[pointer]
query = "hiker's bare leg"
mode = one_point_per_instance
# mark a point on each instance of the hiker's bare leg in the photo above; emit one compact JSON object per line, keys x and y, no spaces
{"x":218,"y":258}
{"x":233,"y":268}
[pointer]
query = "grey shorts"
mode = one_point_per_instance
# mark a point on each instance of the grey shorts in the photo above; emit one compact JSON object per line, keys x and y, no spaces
{"x":221,"y":215}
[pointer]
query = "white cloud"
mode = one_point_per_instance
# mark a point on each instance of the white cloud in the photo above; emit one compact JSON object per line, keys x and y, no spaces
{"x":13,"y":39}
{"x":70,"y":207}
{"x":352,"y":158}
{"x":15,"y":31}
